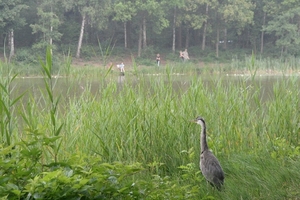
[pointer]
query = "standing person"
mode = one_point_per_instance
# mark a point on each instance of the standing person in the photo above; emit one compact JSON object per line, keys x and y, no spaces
{"x":158,"y":59}
{"x":181,"y":55}
{"x":186,"y":55}
{"x":122,"y":69}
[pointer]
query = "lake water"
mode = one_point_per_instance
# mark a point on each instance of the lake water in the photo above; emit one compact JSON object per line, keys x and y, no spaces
{"x":71,"y":89}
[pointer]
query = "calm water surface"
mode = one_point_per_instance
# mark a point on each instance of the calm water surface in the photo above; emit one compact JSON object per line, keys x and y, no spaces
{"x":34,"y":87}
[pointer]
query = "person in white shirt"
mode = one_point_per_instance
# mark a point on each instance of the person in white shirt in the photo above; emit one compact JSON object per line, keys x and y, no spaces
{"x":121,"y":67}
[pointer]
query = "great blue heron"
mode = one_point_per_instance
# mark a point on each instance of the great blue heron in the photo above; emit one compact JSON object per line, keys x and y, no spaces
{"x":209,"y":164}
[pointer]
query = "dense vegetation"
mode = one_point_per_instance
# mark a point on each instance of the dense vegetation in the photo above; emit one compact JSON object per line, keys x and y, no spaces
{"x":269,"y":27}
{"x":134,"y":139}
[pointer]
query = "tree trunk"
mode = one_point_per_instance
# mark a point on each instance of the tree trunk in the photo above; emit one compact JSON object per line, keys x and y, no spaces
{"x":51,"y":40}
{"x":180,"y":37}
{"x":51,"y":30}
{"x":196,"y":37}
{"x":225,"y":38}
{"x":128,"y":28}
{"x":187,"y":38}
{"x":80,"y":37}
{"x":144,"y":33}
{"x":299,"y":25}
{"x":204,"y":28}
{"x":12,"y":45}
{"x":140,"y":41}
{"x":125,"y":35}
{"x":174,"y":31}
{"x":217,"y":42}
{"x":262,"y":36}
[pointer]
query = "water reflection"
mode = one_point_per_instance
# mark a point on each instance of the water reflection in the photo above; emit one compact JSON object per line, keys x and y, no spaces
{"x":35,"y":87}
{"x":121,"y":78}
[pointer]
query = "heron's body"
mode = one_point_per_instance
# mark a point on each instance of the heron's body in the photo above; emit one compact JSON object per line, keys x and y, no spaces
{"x":209,"y":164}
{"x":211,"y":169}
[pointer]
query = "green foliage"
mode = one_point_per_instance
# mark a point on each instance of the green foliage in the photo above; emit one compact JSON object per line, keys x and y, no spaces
{"x":88,"y":52}
{"x":67,"y":64}
{"x":148,"y":56}
{"x":238,"y":11}
{"x":149,"y":52}
{"x":190,"y":14}
{"x":173,"y":57}
{"x":134,"y":139}
{"x":25,"y":56}
{"x":281,"y":149}
{"x":146,"y":62}
{"x":7,"y":104}
{"x":10,"y":14}
{"x":49,"y":85}
{"x":47,"y":25}
{"x":93,"y":180}
{"x":287,"y":31}
{"x":70,"y":32}
{"x":124,"y":11}
{"x":64,"y":48}
{"x":106,"y":50}
{"x":244,"y":22}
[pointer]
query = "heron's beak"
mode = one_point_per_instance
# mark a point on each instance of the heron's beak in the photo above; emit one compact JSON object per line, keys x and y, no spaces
{"x":193,"y":121}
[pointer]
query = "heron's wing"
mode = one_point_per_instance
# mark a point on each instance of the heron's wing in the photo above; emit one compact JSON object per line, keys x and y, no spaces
{"x":211,"y":167}
{"x":218,"y":171}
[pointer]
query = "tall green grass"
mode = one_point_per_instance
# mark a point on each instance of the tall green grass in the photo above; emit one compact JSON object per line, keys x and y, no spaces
{"x":146,"y":119}
{"x":264,"y":65}
{"x":152,"y":107}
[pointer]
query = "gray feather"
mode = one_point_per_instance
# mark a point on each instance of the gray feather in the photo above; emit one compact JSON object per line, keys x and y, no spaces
{"x":209,"y":164}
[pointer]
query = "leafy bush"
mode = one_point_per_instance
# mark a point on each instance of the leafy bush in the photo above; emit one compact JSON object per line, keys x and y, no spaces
{"x":66,"y":48}
{"x":87,"y":178}
{"x":88,"y":52}
{"x":145,"y":61}
{"x":149,"y":53}
{"x":26,"y":56}
{"x":173,"y":57}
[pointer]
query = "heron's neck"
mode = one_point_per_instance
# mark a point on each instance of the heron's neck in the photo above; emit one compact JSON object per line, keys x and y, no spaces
{"x":203,"y":142}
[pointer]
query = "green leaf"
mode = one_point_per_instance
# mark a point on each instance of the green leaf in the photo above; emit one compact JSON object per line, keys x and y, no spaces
{"x":109,"y":70}
{"x":17,"y":99}
{"x":16,"y":192}
{"x":48,"y":140}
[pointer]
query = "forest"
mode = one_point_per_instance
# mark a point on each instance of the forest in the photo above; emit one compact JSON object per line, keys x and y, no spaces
{"x":265,"y":27}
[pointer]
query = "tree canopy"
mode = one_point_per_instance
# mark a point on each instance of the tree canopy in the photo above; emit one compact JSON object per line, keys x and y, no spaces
{"x":169,"y":24}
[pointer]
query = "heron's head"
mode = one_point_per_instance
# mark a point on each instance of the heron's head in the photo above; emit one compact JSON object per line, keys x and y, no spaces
{"x":199,"y":120}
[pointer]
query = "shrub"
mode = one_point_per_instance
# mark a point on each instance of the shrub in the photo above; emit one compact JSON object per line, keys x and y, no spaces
{"x":26,"y":56}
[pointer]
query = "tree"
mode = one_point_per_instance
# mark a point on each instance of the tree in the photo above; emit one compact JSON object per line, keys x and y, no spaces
{"x":11,"y":20}
{"x":172,"y":6}
{"x":204,"y":23}
{"x":124,"y":11}
{"x":285,"y":25}
{"x":256,"y":32}
{"x":191,"y":17}
{"x":47,"y":25}
{"x":94,"y":11}
{"x":205,"y":27}
{"x":149,"y":10}
{"x":233,"y":14}
{"x":80,"y":6}
{"x":208,"y":5}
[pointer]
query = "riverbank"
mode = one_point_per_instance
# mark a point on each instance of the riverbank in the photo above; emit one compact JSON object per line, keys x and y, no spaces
{"x":96,"y":68}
